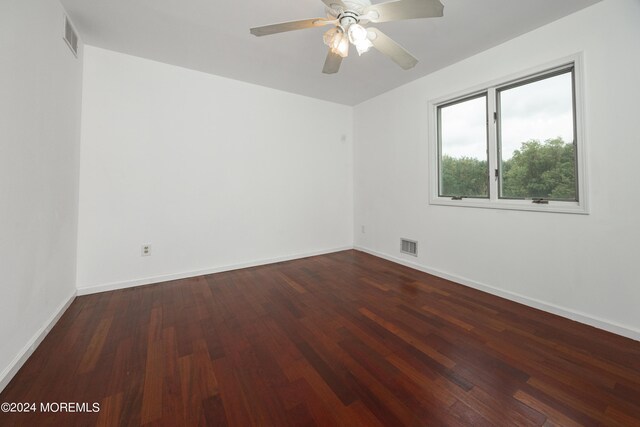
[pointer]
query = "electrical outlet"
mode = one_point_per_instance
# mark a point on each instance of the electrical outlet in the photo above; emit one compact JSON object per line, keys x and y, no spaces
{"x":146,"y":250}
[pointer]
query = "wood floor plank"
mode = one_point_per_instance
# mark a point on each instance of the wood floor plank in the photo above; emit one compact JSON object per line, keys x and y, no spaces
{"x":233,"y":401}
{"x":409,"y":339}
{"x":343,"y":339}
{"x":622,"y":417}
{"x":92,"y":353}
{"x":110,"y":411}
{"x":557,"y":417}
{"x":295,"y":285}
{"x":153,"y":383}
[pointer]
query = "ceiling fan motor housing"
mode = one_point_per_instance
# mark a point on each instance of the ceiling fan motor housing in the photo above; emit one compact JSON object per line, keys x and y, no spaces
{"x":357,"y":6}
{"x":351,"y":12}
{"x":347,"y":18}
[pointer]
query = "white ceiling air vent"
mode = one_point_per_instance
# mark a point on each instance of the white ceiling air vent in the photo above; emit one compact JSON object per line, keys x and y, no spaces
{"x":70,"y":36}
{"x":409,"y":247}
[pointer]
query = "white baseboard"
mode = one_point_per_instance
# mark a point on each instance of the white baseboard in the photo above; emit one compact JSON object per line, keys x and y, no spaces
{"x":10,"y":371}
{"x":587,"y":319}
{"x":175,"y":276}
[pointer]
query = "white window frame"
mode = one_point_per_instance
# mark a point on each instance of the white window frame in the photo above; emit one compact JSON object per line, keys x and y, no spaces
{"x":494,"y":201}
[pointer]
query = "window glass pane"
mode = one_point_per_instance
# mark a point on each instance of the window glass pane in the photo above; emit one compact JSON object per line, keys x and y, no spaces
{"x":464,"y":169}
{"x":537,"y":150}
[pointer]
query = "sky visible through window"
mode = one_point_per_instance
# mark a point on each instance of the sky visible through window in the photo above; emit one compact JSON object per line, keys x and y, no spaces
{"x":540,"y":110}
{"x":464,"y":129}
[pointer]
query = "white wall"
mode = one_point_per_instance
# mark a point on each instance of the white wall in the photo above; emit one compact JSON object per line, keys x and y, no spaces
{"x":579,"y":266}
{"x":212,"y":172}
{"x":40,"y":97}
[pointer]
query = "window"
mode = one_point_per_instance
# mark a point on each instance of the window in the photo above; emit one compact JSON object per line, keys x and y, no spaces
{"x":513,"y":144}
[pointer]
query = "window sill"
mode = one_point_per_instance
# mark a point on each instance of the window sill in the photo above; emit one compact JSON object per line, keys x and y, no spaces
{"x":517,"y":205}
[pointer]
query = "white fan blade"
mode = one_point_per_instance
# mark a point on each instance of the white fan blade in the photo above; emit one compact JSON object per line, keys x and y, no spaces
{"x":393,"y":50}
{"x":332,"y":63}
{"x":290,"y":26}
{"x":404,"y":9}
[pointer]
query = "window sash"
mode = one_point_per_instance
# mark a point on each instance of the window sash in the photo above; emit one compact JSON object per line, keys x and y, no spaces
{"x":440,"y":152}
{"x":569,"y":68}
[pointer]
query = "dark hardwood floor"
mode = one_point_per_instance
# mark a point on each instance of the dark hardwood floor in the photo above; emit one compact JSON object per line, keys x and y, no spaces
{"x":341,"y":339}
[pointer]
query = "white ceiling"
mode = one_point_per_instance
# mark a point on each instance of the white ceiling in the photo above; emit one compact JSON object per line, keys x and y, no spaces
{"x":213,"y":36}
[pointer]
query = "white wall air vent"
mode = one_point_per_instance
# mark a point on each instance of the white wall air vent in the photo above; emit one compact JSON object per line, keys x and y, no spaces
{"x":70,"y":36}
{"x":409,"y":247}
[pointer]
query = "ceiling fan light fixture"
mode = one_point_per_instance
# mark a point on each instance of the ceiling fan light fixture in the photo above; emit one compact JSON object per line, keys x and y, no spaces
{"x":363,"y":46}
{"x":329,"y":36}
{"x":358,"y":35}
{"x":342,"y":47}
{"x":337,"y":41}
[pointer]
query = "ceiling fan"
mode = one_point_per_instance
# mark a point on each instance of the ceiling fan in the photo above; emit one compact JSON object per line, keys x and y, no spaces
{"x":348,"y":17}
